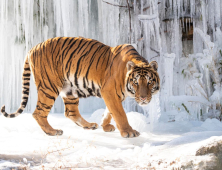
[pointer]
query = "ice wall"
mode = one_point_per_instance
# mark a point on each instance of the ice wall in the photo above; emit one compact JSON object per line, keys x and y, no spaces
{"x":196,"y":72}
{"x":184,"y":36}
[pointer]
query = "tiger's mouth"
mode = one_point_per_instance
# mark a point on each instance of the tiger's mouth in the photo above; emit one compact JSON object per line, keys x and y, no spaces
{"x":143,"y":103}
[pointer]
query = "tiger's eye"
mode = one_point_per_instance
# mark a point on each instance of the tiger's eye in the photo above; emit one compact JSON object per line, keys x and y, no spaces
{"x":150,"y":82}
{"x":135,"y":81}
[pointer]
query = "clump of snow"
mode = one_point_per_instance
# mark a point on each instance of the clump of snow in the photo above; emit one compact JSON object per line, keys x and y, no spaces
{"x":138,"y":121}
{"x":212,"y":125}
{"x":97,"y":116}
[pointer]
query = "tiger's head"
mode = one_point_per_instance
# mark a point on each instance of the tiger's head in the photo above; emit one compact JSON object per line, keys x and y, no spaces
{"x":142,"y":81}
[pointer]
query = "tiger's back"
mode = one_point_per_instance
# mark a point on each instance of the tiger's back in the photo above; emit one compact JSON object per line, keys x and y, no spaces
{"x":72,"y":66}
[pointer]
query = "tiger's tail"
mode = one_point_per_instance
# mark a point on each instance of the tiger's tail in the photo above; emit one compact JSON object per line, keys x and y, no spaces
{"x":25,"y":91}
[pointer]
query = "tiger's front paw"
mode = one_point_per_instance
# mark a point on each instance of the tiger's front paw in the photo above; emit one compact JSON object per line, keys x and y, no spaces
{"x":92,"y":126}
{"x":108,"y":128}
{"x":54,"y":132}
{"x":129,"y":133}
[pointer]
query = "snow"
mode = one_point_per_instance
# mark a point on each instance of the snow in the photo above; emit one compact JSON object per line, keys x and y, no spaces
{"x":24,"y":144}
{"x":157,"y":29}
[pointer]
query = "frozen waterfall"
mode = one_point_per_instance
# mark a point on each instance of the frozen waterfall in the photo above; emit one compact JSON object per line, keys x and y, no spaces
{"x":183,"y":36}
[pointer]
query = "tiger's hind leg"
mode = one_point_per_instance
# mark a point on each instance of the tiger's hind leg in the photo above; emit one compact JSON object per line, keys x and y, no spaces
{"x":45,"y":102}
{"x":72,"y":112}
{"x":107,"y":127}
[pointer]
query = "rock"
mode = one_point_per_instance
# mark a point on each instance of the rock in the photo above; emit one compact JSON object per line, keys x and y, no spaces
{"x":213,"y":149}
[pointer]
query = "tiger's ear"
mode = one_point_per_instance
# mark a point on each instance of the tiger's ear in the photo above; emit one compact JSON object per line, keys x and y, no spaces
{"x":129,"y":65}
{"x":154,"y":65}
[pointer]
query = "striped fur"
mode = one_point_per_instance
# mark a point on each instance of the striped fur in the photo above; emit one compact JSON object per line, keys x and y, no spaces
{"x":74,"y":68}
{"x":25,"y":92}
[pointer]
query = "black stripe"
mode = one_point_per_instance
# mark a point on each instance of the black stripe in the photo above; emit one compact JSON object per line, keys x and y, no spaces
{"x":134,"y":54}
{"x":107,"y":63}
{"x":70,"y":47}
{"x":12,"y":115}
{"x":116,"y":91}
{"x":131,"y":50}
{"x":127,"y":85}
{"x":24,"y":103}
{"x":27,"y":69}
{"x":100,"y":58}
{"x":58,"y":58}
{"x":26,"y":75}
{"x":20,"y":111}
{"x":66,"y":49}
{"x":47,"y":95}
{"x":93,"y":87}
{"x":84,"y":82}
{"x":82,"y":47}
{"x":92,"y":59}
{"x":64,"y":42}
{"x":88,"y":46}
{"x":73,"y":98}
{"x":79,"y":94}
{"x":52,"y":85}
{"x":122,"y":92}
{"x":26,"y":84}
{"x":68,"y":62}
{"x":90,"y":91}
{"x":25,"y":92}
{"x":45,"y":105}
{"x":105,"y":56}
{"x":139,"y":58}
{"x":98,"y":93}
{"x":38,"y":107}
{"x":75,"y":103}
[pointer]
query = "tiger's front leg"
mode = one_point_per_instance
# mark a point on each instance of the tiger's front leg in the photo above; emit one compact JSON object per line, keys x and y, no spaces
{"x":115,"y":107}
{"x":105,"y":123}
{"x":72,"y":112}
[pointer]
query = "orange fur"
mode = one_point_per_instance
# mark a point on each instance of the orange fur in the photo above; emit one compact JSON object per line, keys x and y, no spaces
{"x":80,"y":67}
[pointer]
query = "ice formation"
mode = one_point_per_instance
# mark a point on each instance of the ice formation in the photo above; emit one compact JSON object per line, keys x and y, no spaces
{"x":184,"y":36}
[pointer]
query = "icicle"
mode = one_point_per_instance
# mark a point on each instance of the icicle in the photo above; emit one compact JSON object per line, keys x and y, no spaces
{"x":178,"y":8}
{"x":203,"y":7}
{"x":189,"y":23}
{"x":191,"y":8}
{"x":141,"y":7}
{"x":217,"y":13}
{"x":171,"y":6}
{"x":168,"y":89}
{"x":134,"y":5}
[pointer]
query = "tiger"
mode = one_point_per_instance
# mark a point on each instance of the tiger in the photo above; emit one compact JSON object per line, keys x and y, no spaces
{"x":77,"y":67}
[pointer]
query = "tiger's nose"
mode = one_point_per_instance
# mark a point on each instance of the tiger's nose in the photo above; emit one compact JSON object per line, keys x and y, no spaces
{"x":143,"y":98}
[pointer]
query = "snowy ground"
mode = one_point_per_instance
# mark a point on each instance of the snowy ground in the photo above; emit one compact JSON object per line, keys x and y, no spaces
{"x":171,"y":144}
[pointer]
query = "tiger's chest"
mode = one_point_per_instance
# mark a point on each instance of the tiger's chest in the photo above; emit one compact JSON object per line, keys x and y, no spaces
{"x":80,"y":89}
